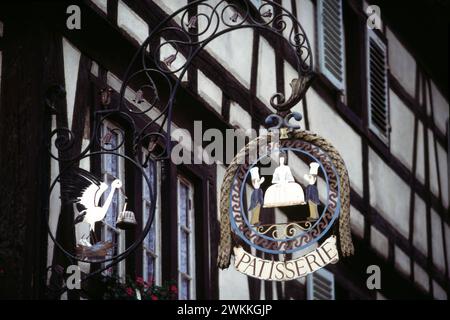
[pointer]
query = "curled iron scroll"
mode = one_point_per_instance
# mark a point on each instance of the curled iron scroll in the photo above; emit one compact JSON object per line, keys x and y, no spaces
{"x":152,"y":72}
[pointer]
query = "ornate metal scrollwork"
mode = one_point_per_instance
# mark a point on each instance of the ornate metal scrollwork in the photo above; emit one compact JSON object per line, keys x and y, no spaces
{"x":156,"y":72}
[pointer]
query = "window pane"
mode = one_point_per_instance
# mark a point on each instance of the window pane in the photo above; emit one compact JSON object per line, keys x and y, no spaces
{"x":150,"y":267}
{"x":185,"y":233}
{"x":182,"y":206}
{"x":184,"y":252}
{"x":111,"y":215}
{"x":184,"y":289}
{"x":111,"y":164}
{"x":150,"y":239}
{"x":150,"y":175}
{"x":112,"y":168}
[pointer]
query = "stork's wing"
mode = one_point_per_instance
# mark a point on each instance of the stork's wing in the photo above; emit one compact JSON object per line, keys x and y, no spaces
{"x":79,"y":186}
{"x":88,"y":196}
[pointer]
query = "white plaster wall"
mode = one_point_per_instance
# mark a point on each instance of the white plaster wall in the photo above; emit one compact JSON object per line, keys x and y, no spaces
{"x":447,"y":242}
{"x":421,"y":277}
{"x":380,"y":296}
{"x":389,"y":194}
{"x":239,"y":117}
{"x":94,"y":69}
{"x":286,"y":5}
{"x":71,"y":65}
{"x":437,"y":243}
{"x":101,"y":4}
{"x":266,"y":83}
{"x":131,"y":23}
{"x":115,"y":83}
{"x":402,"y":134}
{"x":379,"y":242}
{"x":420,"y":240}
{"x":434,"y":174}
{"x":420,"y":165}
{"x":440,"y":108}
{"x":209,"y":91}
{"x":401,"y":63}
{"x":324,"y":121}
{"x":289,"y":74}
{"x":233,"y":49}
{"x":306,"y":15}
{"x":357,"y":222}
{"x":233,"y":285}
{"x":171,"y":6}
{"x":402,"y":261}
{"x":438,"y":292}
{"x":167,"y":50}
{"x":443,"y":173}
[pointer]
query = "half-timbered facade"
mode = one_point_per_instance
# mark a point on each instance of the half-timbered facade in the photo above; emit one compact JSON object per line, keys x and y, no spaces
{"x":372,"y":99}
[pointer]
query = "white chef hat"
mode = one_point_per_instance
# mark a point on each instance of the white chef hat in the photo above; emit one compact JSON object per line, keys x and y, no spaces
{"x":254,"y":172}
{"x":313,"y":168}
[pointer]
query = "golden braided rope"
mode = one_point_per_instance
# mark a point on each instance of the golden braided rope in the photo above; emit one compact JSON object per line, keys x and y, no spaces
{"x":225,"y":244}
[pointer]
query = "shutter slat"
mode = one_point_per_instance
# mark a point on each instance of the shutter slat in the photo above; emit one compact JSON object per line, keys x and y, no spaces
{"x":332,"y":37}
{"x":331,"y":42}
{"x":334,"y":70}
{"x":334,"y":4}
{"x":332,"y":15}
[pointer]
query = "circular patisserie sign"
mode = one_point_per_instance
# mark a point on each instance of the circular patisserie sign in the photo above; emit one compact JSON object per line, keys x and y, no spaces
{"x":282,"y":204}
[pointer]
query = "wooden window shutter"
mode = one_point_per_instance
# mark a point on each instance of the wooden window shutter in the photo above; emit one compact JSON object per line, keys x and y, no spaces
{"x":377,"y":87}
{"x":330,"y":35}
{"x":320,"y":285}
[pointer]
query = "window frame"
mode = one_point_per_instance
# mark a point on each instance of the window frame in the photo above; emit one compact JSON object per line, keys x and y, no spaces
{"x":121,"y":244}
{"x":190,"y":229}
{"x":157,"y":276}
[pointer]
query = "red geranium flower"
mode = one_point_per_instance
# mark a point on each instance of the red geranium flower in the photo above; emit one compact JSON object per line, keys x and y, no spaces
{"x":140,"y":281}
{"x":154,"y":297}
{"x":174,"y":288}
{"x":129,"y":291}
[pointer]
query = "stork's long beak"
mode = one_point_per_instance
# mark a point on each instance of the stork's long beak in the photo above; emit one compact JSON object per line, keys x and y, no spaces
{"x":123,"y":192}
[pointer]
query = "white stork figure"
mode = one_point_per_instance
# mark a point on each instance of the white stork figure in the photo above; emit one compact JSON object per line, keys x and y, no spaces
{"x":82,"y":188}
{"x":90,"y":200}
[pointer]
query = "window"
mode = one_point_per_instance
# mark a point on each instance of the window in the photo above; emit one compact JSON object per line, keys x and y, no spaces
{"x":355,"y":75}
{"x":113,"y":168}
{"x":151,"y":244}
{"x":377,"y":95}
{"x":330,"y":34}
{"x":186,"y":253}
{"x":320,"y":285}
